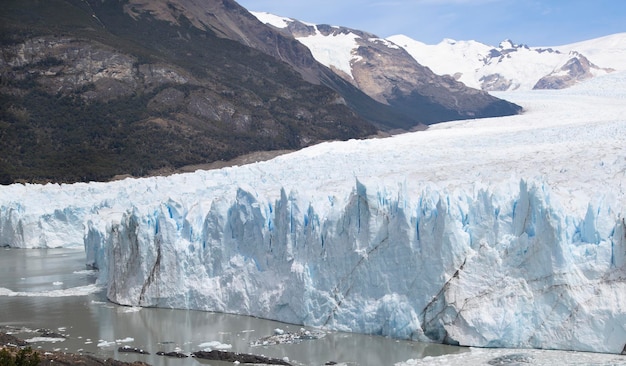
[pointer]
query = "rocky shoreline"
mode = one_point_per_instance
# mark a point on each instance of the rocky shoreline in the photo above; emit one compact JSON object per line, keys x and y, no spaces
{"x":13,"y":345}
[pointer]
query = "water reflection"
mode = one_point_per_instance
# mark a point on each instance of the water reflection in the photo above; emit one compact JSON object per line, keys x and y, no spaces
{"x":96,"y":326}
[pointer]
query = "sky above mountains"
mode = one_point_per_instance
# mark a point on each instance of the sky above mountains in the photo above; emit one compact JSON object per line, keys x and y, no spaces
{"x":531,"y":22}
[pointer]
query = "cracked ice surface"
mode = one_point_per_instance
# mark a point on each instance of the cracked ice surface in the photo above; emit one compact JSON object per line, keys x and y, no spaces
{"x":503,"y":232}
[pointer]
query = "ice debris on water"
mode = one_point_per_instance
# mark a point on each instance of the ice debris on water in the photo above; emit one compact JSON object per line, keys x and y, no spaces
{"x":284,"y":337}
{"x":215,"y":345}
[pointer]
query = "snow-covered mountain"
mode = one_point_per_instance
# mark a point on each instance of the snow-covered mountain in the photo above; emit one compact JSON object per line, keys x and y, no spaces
{"x":503,"y":232}
{"x":388,"y":73}
{"x":511,"y":66}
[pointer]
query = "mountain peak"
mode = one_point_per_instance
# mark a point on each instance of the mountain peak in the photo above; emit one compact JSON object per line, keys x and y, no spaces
{"x":511,"y":65}
{"x":507,"y":44}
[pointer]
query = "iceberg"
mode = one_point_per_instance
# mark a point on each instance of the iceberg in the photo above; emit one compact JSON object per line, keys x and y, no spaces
{"x":503,"y":232}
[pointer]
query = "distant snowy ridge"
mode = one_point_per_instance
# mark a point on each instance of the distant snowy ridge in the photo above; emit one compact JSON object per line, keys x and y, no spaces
{"x":511,"y":66}
{"x":508,"y":66}
{"x":504,"y":232}
{"x":390,"y":75}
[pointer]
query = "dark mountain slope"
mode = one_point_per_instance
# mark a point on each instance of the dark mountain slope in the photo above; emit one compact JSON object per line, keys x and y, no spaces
{"x":90,"y":89}
{"x":412,"y":94}
{"x":227,"y":19}
{"x":88,"y":92}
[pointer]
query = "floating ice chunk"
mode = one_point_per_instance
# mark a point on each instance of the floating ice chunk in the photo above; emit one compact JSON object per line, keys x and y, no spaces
{"x":129,"y":309}
{"x":215,"y":345}
{"x":73,"y":291}
{"x":103,"y":343}
{"x":44,"y":339}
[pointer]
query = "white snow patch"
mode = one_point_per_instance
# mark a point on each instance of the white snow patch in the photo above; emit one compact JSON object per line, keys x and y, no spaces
{"x":337,"y":50}
{"x":275,"y":20}
{"x":86,"y":271}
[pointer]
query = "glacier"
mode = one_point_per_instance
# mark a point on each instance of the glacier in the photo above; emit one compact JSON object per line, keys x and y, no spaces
{"x":502,"y":232}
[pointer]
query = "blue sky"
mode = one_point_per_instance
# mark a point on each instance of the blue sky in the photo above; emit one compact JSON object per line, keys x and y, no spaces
{"x":531,"y":22}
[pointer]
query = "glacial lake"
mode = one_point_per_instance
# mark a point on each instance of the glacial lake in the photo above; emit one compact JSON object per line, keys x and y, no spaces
{"x":51,"y":289}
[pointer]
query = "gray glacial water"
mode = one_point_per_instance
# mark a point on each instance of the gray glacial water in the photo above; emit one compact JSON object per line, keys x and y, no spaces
{"x":51,"y":289}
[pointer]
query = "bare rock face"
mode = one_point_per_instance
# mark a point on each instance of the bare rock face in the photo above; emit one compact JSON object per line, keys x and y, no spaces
{"x":495,"y":82}
{"x":95,"y":71}
{"x":227,"y":19}
{"x":576,"y":69}
{"x":67,"y":64}
{"x":388,"y":74}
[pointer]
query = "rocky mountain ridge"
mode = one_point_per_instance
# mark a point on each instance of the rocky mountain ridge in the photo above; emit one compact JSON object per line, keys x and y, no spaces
{"x":512,"y":66}
{"x":387,"y":73}
{"x":508,"y":66}
{"x":576,"y":69}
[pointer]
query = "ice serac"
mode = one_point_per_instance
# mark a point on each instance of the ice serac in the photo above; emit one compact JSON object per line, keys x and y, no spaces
{"x":481,"y":269}
{"x":48,"y":221}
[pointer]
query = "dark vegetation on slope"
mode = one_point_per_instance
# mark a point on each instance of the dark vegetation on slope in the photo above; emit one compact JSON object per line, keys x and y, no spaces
{"x":106,"y":95}
{"x":434,"y":112}
{"x":15,"y":352}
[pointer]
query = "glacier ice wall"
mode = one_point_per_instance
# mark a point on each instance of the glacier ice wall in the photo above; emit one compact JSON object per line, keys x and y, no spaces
{"x":476,"y":269}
